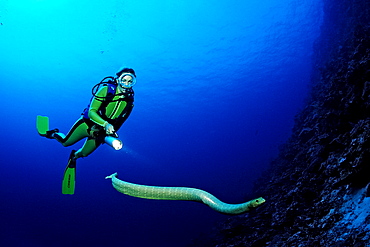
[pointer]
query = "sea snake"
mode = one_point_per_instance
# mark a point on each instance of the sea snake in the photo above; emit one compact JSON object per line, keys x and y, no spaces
{"x":182,"y":193}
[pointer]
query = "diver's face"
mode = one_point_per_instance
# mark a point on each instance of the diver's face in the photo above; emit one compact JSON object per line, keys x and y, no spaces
{"x":126,"y":81}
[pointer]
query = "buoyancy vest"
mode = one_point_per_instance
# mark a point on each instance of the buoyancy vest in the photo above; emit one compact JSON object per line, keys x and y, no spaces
{"x":111,"y":93}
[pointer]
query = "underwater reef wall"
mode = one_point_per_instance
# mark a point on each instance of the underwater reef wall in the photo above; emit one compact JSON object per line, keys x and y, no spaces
{"x":317,"y":191}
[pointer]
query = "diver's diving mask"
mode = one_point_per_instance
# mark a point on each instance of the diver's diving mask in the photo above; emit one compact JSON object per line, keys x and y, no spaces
{"x":126,"y":80}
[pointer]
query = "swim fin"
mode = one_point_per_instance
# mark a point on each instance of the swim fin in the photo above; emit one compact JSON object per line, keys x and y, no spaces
{"x":69,"y":177}
{"x":42,"y":125}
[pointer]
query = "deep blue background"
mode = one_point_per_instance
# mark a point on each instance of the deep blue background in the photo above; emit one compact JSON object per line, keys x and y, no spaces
{"x":219,"y":83}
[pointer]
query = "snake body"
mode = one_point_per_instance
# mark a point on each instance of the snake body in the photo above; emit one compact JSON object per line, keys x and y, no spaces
{"x":182,"y":193}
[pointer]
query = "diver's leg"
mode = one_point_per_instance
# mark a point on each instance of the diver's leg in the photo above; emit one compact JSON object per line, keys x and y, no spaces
{"x":78,"y":131}
{"x":89,"y":146}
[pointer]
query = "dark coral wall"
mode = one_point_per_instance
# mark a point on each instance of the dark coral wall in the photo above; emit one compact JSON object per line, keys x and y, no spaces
{"x":317,"y":189}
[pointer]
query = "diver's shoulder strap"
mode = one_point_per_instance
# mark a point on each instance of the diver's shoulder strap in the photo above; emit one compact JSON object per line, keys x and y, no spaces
{"x":111,"y":89}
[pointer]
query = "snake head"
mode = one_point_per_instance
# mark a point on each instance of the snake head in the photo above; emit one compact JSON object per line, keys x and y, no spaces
{"x":256,"y":202}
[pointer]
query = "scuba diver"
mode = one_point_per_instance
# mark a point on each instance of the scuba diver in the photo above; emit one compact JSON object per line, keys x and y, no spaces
{"x":109,"y":108}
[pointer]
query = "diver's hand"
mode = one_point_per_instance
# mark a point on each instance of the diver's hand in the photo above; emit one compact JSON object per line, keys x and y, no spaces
{"x":109,"y":129}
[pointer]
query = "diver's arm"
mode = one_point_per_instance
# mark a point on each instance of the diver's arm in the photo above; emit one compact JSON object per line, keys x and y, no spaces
{"x":95,"y":105}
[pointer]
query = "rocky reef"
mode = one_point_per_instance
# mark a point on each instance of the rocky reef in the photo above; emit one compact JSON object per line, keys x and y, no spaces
{"x":318,"y":188}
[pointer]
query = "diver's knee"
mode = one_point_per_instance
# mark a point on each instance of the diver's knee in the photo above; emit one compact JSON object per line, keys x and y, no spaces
{"x":81,"y":154}
{"x":65,"y":144}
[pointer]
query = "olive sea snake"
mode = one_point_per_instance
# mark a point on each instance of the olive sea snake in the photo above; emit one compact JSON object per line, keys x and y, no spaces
{"x":182,"y":193}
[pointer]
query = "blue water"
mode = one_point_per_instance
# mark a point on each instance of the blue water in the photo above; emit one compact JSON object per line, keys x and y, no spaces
{"x":219,"y":84}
